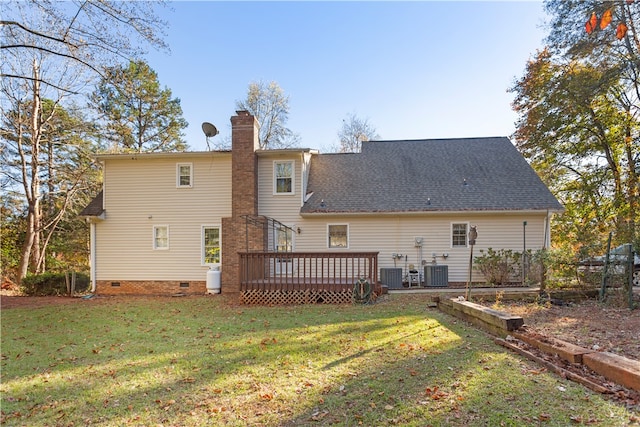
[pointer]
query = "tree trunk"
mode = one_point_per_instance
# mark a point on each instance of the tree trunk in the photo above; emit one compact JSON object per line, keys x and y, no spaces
{"x":31,"y":181}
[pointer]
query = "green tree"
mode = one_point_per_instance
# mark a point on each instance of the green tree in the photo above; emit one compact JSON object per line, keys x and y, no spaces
{"x":354,"y":130}
{"x":269,"y":104}
{"x":45,"y":172}
{"x":138,"y":114}
{"x":13,"y":225}
{"x":578,"y":122}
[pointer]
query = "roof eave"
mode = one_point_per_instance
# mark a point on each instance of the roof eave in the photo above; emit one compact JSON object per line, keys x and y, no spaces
{"x":101,"y":157}
{"x":95,"y":217}
{"x":432,"y":212}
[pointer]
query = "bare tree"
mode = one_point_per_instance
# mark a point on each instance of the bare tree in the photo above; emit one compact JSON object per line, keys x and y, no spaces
{"x":355,"y":130}
{"x":270,"y":106}
{"x":89,"y":33}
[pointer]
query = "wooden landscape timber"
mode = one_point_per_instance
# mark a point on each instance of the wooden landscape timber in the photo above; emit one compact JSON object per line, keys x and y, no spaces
{"x":616,"y":368}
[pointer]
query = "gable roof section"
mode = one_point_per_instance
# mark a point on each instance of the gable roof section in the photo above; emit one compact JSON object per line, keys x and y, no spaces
{"x":469,"y":174}
{"x":94,"y":208}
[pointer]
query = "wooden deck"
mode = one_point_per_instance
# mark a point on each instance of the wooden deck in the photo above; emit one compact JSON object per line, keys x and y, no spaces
{"x":304,"y":277}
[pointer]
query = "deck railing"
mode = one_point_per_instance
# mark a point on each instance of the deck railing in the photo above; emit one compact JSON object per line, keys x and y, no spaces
{"x":314,"y":271}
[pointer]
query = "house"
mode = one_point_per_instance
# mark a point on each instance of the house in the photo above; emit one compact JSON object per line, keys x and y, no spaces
{"x":396,"y":211}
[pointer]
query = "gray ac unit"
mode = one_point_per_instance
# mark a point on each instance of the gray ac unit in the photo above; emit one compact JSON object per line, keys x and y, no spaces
{"x":436,"y":275}
{"x":391,"y":277}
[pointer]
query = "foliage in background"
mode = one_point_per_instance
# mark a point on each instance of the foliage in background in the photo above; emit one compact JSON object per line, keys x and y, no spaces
{"x":47,"y":177}
{"x":269,"y":104}
{"x":555,"y":268}
{"x":578,"y":106}
{"x":137,"y":114}
{"x":353,"y":132}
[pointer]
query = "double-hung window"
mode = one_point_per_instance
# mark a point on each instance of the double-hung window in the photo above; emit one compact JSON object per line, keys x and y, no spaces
{"x":184,"y":175}
{"x":283,"y":177}
{"x":160,"y":237}
{"x":459,"y":235}
{"x":210,"y":245}
{"x":283,"y":239}
{"x":338,"y":236}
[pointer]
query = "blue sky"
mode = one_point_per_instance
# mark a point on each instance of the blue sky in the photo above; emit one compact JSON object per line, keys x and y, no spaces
{"x":413,"y":69}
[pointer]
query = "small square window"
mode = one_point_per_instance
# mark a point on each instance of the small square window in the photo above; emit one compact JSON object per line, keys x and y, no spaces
{"x":184,"y":175}
{"x":459,"y":235}
{"x":283,"y":177}
{"x":160,"y":237}
{"x":338,"y":236}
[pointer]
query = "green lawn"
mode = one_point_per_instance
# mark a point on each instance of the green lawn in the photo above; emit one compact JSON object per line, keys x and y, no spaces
{"x":197,"y":361}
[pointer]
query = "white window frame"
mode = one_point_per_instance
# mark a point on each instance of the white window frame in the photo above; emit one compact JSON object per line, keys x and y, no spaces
{"x":276,"y":177}
{"x":283,"y":266}
{"x":329,"y":236}
{"x":203,"y":247}
{"x":466,"y":234}
{"x":178,"y":175}
{"x":276,"y":232}
{"x":156,"y":247}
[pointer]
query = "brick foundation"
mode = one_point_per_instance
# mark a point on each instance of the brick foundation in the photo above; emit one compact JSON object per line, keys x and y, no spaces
{"x":150,"y":287}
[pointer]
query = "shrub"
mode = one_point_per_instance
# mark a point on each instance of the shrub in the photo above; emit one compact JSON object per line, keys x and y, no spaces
{"x":498,"y":267}
{"x":561,"y":268}
{"x":52,"y":284}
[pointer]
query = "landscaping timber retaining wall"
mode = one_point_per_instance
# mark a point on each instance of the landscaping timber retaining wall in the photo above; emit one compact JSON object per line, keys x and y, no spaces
{"x":616,"y":368}
{"x":494,"y":321}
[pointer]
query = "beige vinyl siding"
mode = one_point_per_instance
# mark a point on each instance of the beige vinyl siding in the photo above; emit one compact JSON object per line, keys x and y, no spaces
{"x":390,"y":234}
{"x":142,"y":193}
{"x":282,"y":207}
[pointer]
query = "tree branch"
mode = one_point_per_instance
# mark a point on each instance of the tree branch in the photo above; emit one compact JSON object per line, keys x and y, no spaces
{"x":13,"y":76}
{"x":53,"y":52}
{"x":37,"y":33}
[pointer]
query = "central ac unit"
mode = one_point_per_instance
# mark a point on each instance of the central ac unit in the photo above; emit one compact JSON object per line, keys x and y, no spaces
{"x":391,"y":277}
{"x":436,"y":275}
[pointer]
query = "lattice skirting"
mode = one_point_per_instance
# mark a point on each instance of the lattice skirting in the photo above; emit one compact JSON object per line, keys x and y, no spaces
{"x":258,"y":297}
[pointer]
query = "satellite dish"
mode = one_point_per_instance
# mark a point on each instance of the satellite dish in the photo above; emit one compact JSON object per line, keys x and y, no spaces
{"x":209,"y":130}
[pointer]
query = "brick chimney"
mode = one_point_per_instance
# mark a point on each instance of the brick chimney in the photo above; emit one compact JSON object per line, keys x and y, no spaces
{"x":236,"y":236}
{"x":244,"y":164}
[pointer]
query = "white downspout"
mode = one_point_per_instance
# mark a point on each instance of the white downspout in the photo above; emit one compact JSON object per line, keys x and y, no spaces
{"x":547,"y":231}
{"x":92,"y":254}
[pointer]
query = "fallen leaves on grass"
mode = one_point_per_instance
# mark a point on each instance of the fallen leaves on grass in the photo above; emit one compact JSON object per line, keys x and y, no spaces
{"x":435,"y":393}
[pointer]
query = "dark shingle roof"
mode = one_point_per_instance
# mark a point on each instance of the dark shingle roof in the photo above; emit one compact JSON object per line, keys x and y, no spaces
{"x":94,"y":208}
{"x":470,"y":174}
